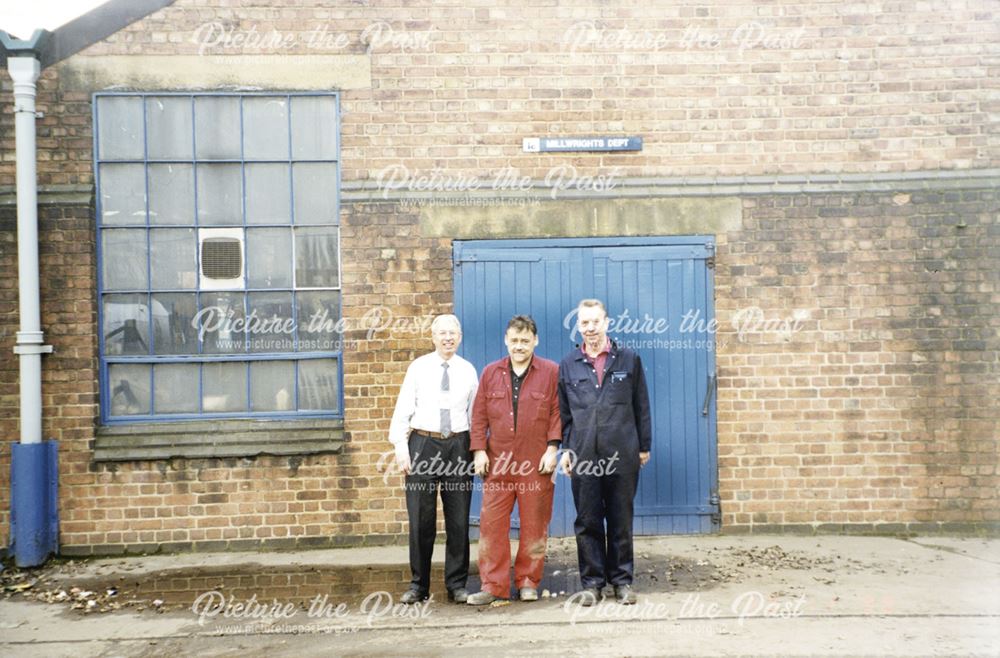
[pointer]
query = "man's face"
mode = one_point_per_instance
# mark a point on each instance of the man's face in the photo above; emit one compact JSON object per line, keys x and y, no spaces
{"x":520,"y":345}
{"x":446,"y":338}
{"x":593,"y":325}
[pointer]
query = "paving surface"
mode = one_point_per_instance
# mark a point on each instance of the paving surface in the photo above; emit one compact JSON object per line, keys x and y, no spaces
{"x":704,"y":595}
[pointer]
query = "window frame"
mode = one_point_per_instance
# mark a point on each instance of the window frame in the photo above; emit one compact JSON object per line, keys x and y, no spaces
{"x":246,"y":357}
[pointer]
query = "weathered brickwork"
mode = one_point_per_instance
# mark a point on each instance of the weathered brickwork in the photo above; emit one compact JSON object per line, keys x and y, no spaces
{"x":867,"y":393}
{"x":863,"y":394}
{"x":715,"y":88}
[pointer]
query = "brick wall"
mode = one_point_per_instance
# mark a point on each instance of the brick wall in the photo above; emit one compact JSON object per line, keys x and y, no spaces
{"x":877,"y":408}
{"x":868,"y":394}
{"x":715,"y":88}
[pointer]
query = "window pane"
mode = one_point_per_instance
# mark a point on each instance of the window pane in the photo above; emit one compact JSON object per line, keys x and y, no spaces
{"x":175,"y":388}
{"x":272,"y":385}
{"x":126,"y":324}
{"x":314,"y":128}
{"x":269,"y":257}
{"x":168,"y":127}
{"x":319,"y":314}
{"x":271,"y":326}
{"x":220,"y":197}
{"x":220,"y":323}
{"x":172,"y":256}
{"x":265,"y":131}
{"x":129,"y":387}
{"x":268,"y":194}
{"x":123,"y":194}
{"x":173,"y":323}
{"x":224,"y":387}
{"x":171,"y":194}
{"x":319,"y":385}
{"x":315,"y":193}
{"x":119,"y":128}
{"x":316,"y":258}
{"x":217,"y":127}
{"x":124,"y":259}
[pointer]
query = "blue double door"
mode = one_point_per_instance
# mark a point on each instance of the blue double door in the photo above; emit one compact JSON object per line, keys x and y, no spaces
{"x":658,"y":292}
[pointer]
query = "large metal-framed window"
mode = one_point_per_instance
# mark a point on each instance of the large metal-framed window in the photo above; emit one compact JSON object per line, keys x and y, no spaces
{"x":218,"y":246}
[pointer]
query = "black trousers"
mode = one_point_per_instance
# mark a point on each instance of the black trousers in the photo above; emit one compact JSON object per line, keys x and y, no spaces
{"x":604,"y":556}
{"x":439,"y":466}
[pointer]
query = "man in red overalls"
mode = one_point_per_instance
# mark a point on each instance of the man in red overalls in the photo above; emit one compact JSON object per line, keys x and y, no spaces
{"x":515,"y":435}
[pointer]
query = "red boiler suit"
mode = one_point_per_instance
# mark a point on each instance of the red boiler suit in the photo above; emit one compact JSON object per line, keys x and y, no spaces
{"x":515,"y":454}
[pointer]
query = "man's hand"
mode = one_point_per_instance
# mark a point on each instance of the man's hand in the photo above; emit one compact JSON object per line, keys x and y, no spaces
{"x":566,"y":464}
{"x":481,"y":463}
{"x":643,"y":458}
{"x":548,"y":462}
{"x":403,"y":459}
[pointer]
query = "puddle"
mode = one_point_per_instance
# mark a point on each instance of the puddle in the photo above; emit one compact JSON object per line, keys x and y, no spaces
{"x":177,"y":589}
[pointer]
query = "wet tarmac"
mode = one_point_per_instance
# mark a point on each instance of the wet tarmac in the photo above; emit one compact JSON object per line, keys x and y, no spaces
{"x":177,"y":589}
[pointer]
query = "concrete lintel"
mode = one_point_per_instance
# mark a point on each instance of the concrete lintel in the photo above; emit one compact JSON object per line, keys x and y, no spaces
{"x":193,"y":72}
{"x":591,"y":217}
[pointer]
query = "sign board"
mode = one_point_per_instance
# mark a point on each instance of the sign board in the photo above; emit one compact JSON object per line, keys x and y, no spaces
{"x":577,"y":144}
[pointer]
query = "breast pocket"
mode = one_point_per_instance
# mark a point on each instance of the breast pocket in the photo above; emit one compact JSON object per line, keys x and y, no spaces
{"x":619,"y":385}
{"x":495,"y":401}
{"x":541,"y":405}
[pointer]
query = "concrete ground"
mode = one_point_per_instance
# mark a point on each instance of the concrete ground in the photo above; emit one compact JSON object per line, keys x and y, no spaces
{"x":699,"y":595}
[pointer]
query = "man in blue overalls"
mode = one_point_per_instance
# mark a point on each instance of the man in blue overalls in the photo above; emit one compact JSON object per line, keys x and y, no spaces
{"x":604,"y":406}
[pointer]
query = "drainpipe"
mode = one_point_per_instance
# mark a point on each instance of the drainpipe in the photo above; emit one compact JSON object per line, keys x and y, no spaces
{"x":34,"y":475}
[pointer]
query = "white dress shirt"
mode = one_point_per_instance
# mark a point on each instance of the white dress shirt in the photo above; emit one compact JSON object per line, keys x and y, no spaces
{"x":421,"y":400}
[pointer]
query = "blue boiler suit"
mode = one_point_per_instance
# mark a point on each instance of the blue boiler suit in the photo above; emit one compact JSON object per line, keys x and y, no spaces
{"x":606,"y":426}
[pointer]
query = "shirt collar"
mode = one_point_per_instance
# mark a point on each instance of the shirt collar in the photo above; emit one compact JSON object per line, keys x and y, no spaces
{"x":606,"y":350}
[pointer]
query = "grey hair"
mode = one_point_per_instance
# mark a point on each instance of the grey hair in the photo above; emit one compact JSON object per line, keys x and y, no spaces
{"x":446,"y":318}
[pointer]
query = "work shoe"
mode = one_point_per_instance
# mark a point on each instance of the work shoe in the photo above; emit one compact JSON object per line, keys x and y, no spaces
{"x":480,"y":598}
{"x":528,"y":594}
{"x":590,"y":596}
{"x":412,"y":596}
{"x":460,"y":595}
{"x":625,"y":595}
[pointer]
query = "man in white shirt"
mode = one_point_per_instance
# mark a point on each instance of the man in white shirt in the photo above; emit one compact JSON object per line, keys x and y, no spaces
{"x":430,"y":433}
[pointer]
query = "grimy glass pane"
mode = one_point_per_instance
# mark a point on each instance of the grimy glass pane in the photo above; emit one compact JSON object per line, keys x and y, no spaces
{"x":217,"y":127}
{"x":128,"y":384}
{"x":314,"y":128}
{"x":269,"y":194}
{"x":220,"y":198}
{"x":316,"y":257}
{"x":126,"y":324}
{"x":123,"y":194}
{"x":123,"y":259}
{"x":171,"y":194}
{"x":269,"y":257}
{"x":265,"y":128}
{"x":172,"y":254}
{"x":168,"y":127}
{"x":175,"y":388}
{"x":220,"y":324}
{"x":173,"y":323}
{"x":272,"y":385}
{"x":224,"y":387}
{"x":119,"y":128}
{"x":319,"y":385}
{"x":318,"y":321}
{"x":315,"y":185}
{"x":272,"y":324}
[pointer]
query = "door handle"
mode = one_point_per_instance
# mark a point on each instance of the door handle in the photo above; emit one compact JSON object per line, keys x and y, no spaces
{"x":708,"y":394}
